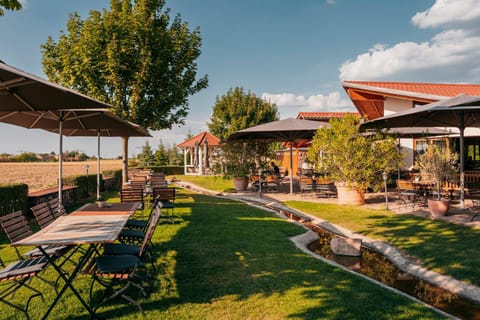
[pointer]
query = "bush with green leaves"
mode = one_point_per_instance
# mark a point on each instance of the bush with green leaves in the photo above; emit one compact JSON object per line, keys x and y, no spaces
{"x":352,"y":158}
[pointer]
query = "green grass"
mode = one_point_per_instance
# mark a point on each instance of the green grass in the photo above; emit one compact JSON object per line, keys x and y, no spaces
{"x":444,"y":247}
{"x":215,"y":183}
{"x":226,"y":260}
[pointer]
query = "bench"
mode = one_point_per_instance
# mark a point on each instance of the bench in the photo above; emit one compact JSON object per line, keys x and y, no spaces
{"x":45,"y":195}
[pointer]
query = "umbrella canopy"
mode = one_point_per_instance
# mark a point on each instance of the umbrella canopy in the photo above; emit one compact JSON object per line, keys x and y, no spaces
{"x":91,"y":122}
{"x":286,"y":130}
{"x":20,"y":90}
{"x":460,"y":112}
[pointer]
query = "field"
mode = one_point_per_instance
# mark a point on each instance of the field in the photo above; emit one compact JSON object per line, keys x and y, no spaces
{"x":40,"y":175}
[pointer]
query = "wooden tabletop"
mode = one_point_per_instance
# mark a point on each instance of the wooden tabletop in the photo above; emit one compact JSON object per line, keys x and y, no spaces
{"x":117,"y":208}
{"x":87,"y":225}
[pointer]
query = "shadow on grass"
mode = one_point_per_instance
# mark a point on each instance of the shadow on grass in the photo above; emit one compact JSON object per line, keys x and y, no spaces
{"x":230,"y":251}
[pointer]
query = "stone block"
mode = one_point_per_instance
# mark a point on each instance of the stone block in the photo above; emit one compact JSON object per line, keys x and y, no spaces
{"x":346,"y":247}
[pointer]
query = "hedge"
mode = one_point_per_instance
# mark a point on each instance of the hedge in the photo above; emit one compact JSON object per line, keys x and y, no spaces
{"x":13,"y":197}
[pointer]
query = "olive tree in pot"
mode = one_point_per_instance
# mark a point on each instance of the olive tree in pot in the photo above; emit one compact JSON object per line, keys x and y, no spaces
{"x":441,"y":166}
{"x":355,"y":161}
{"x":239,"y":161}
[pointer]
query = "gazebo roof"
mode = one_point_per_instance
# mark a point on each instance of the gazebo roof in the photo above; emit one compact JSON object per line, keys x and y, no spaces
{"x":200,"y":140}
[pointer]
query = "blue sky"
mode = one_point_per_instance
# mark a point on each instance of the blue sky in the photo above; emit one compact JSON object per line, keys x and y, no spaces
{"x":294,"y":53}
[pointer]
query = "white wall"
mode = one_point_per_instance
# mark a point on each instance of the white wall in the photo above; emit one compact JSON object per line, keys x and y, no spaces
{"x":393,"y":105}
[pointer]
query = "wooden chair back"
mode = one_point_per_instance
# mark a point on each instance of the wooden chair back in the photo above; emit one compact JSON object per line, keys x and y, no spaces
{"x":16,"y":227}
{"x":153,"y":222}
{"x":164,"y":194}
{"x":43,"y":214}
{"x":56,"y":209}
{"x":131,"y":195}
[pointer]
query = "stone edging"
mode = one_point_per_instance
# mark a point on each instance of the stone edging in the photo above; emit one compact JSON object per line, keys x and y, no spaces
{"x":465,"y":290}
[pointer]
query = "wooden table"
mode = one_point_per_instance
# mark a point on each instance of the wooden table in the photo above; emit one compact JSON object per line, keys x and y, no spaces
{"x":117,"y":208}
{"x":89,"y":225}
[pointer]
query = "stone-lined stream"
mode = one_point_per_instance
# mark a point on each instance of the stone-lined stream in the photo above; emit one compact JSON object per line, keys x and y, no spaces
{"x":375,"y":266}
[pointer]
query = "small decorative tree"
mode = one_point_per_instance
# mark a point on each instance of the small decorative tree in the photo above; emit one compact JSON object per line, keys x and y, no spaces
{"x":439,"y":165}
{"x":351,"y":158}
{"x":238,"y":158}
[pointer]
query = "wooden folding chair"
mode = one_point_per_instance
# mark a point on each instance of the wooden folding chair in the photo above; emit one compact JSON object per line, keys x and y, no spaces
{"x":18,"y":275}
{"x":43,"y":214}
{"x":132,"y":195}
{"x":166,"y":196}
{"x":121,"y":263}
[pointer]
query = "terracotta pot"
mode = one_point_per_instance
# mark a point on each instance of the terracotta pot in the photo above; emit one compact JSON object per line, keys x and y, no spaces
{"x":438,"y":208}
{"x":240,"y":183}
{"x":350,"y":196}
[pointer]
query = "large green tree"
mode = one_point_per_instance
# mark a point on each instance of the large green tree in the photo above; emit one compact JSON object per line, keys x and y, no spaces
{"x":9,"y":5}
{"x":237,"y":110}
{"x":134,"y":57}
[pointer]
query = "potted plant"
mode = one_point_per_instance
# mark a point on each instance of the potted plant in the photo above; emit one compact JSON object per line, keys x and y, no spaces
{"x":441,"y":167}
{"x":239,"y":161}
{"x":353,"y":160}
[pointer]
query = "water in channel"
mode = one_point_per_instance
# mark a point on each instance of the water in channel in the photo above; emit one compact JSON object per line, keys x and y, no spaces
{"x":376,"y":266}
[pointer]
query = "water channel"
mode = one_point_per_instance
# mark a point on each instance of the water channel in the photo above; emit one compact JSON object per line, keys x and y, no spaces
{"x":376,"y":266}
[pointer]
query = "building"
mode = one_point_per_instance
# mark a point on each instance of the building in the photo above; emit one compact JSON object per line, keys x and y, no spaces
{"x":374,"y":99}
{"x":200,"y":153}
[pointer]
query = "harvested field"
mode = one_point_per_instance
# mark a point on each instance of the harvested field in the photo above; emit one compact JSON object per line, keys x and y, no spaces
{"x":40,"y":175}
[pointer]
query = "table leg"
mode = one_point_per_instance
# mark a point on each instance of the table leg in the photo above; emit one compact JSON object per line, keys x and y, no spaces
{"x":69,"y":280}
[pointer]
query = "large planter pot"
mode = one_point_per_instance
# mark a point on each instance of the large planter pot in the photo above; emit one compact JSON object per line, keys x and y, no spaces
{"x":240,"y":183}
{"x":438,"y":207}
{"x":350,"y":196}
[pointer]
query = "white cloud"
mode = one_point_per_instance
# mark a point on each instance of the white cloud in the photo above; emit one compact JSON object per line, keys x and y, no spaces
{"x":330,"y":1}
{"x":448,"y":13}
{"x":289,"y":104}
{"x":450,"y":56}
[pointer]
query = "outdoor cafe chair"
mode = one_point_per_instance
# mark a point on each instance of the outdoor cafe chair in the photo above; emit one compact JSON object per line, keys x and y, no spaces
{"x":166,"y":196}
{"x":129,"y":194}
{"x":16,"y":227}
{"x":18,"y":274}
{"x":121,"y":264}
{"x":136,"y":236}
{"x":135,"y":250}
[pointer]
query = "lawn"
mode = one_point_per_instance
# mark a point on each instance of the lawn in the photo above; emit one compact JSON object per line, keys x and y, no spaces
{"x":226,"y":260}
{"x":214,"y":183}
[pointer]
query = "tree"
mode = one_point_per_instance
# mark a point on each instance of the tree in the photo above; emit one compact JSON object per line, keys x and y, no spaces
{"x":237,"y":110}
{"x":146,"y":158}
{"x":174,"y":156}
{"x":347,"y":157}
{"x":161,"y":155}
{"x":133,"y":57}
{"x":9,"y":5}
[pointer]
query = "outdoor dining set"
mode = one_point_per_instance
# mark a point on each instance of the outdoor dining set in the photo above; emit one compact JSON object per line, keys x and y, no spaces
{"x":106,"y":242}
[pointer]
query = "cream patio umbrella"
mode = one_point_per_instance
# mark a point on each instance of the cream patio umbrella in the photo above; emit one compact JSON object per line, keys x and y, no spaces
{"x":23,"y":92}
{"x":91,"y":122}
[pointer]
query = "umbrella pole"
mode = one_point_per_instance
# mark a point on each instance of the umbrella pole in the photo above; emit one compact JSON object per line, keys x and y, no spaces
{"x":291,"y":168}
{"x":60,"y":162}
{"x":98,"y":164}
{"x":462,"y":167}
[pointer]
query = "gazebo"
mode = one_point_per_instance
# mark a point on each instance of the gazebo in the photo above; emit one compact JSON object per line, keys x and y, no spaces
{"x":200,"y":153}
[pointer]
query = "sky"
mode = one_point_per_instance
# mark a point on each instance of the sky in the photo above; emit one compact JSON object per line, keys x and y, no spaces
{"x":292,"y":53}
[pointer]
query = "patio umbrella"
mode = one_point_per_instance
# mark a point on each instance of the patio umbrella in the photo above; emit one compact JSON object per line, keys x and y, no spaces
{"x":460,"y":112}
{"x":22,"y":91}
{"x":287,"y":130}
{"x":91,"y":122}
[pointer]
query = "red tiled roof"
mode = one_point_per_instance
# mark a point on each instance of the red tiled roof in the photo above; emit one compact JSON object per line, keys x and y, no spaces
{"x":437,"y":89}
{"x":323,"y":115}
{"x":369,"y":96}
{"x":200,"y":139}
